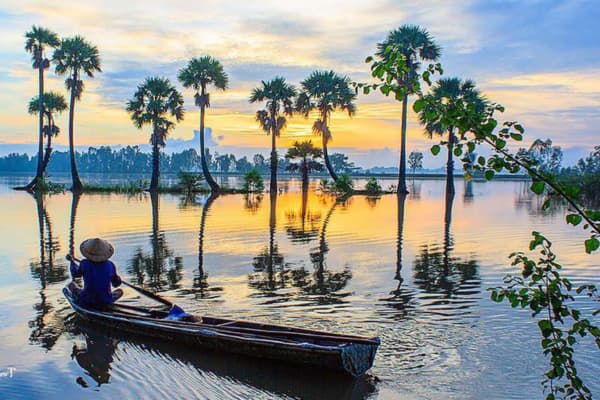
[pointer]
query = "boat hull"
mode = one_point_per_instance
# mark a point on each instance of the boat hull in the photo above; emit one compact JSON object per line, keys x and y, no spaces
{"x":351,"y":355}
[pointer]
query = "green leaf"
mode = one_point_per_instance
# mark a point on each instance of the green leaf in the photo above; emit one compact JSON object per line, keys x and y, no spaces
{"x":537,"y":187}
{"x":369,"y":59}
{"x":366,"y":90}
{"x":519,"y":127}
{"x":572,"y":191}
{"x":435,"y":149}
{"x":471,"y":147}
{"x":545,"y":327}
{"x":500,"y":143}
{"x":419,"y":105}
{"x":385,"y":89}
{"x":458,"y":151}
{"x":489,"y":174}
{"x":481,"y":160}
{"x":516,"y":136}
{"x":574,"y":219}
{"x":591,"y":245}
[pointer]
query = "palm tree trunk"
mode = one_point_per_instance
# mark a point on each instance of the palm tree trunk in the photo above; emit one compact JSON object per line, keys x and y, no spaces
{"x":48,"y":144}
{"x":273,"y":183}
{"x":326,"y":154}
{"x":155,"y":161}
{"x":450,"y":163}
{"x":402,"y":167}
{"x":38,"y":173}
{"x":214,"y":187}
{"x":77,"y":186}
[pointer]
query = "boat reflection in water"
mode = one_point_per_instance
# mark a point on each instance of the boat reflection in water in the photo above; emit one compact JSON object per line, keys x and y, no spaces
{"x":102,"y":352}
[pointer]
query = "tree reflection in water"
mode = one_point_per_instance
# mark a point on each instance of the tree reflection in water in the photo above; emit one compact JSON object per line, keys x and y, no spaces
{"x":401,"y":299}
{"x":269,"y":267}
{"x":303,"y":226}
{"x":324,"y":286}
{"x":272,"y":274}
{"x":160,"y":270}
{"x":252,"y":202}
{"x":47,"y":325}
{"x":437,"y":271}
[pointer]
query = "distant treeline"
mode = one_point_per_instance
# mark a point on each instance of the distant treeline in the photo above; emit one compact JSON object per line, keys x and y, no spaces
{"x":131,"y":159}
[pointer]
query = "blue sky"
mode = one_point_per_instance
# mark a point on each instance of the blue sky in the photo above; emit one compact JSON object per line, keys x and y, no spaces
{"x":541,"y":59}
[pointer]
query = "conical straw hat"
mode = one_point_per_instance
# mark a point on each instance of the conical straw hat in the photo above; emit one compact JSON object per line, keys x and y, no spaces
{"x":96,"y":249}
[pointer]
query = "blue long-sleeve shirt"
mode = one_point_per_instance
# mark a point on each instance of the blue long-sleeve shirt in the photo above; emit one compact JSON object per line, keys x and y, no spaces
{"x":97,"y":278}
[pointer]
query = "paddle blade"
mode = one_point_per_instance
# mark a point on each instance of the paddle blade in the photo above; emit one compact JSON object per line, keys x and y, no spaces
{"x":176,"y":313}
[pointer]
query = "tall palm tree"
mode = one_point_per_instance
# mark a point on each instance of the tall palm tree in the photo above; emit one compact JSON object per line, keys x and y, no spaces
{"x":325,"y":92}
{"x":76,"y":57}
{"x":153,"y":103}
{"x":199,"y":73}
{"x":52,"y":103}
{"x":279,"y":96}
{"x":307,"y":153}
{"x":37,"y":40}
{"x":416,"y":45}
{"x":450,"y":91}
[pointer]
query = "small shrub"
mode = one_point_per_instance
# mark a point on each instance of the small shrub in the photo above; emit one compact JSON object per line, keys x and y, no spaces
{"x":189,"y":181}
{"x":343,"y":185}
{"x":373,"y":187}
{"x":253,"y":182}
{"x":44,"y":186}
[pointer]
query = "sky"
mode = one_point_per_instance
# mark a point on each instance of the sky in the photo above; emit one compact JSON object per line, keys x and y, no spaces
{"x":540,"y":59}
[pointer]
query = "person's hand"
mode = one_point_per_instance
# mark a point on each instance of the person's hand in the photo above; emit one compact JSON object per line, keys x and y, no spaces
{"x":68,"y":257}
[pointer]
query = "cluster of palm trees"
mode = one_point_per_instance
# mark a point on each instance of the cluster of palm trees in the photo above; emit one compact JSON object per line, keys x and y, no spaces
{"x":159,"y":104}
{"x":73,"y":57}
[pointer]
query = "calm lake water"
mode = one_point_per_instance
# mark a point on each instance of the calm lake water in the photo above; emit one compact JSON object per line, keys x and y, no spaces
{"x":415,"y":273}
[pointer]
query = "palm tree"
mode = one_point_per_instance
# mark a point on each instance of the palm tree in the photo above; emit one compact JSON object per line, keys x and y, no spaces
{"x":325,"y":92}
{"x":153,"y":102}
{"x":455,"y":90}
{"x":37,"y":39}
{"x":52,"y":103}
{"x":279,"y":96}
{"x":198,"y":74}
{"x":307,"y":153}
{"x":415,"y":44}
{"x":75,"y":57}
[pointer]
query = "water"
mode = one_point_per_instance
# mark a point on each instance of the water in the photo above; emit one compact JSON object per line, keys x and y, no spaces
{"x":417,"y":279}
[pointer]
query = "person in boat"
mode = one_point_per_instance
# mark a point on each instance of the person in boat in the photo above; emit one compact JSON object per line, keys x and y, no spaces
{"x":98,"y":274}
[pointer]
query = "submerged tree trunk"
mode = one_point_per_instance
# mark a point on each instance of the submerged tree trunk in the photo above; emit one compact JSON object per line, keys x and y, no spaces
{"x":77,"y":187}
{"x":450,"y":163}
{"x":402,"y":167}
{"x":74,"y":205}
{"x":401,"y":206}
{"x":200,"y":282}
{"x":273,"y":183}
{"x":214,"y":187}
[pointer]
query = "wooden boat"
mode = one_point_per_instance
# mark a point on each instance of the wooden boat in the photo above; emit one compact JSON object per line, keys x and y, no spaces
{"x":348,"y":354}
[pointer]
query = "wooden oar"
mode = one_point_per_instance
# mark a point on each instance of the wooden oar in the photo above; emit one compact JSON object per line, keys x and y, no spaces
{"x":175,"y":309}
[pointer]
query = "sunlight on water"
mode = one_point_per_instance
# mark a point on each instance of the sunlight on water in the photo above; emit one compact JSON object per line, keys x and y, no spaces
{"x":414,"y":272}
